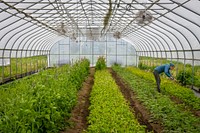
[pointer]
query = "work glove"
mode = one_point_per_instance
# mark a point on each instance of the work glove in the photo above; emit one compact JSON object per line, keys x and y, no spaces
{"x":172,"y":78}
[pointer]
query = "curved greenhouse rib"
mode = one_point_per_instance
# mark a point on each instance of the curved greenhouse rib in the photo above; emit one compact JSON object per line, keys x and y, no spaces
{"x":155,"y":36}
{"x":132,"y":43}
{"x":143,"y":36}
{"x":142,"y":43}
{"x":28,"y":16}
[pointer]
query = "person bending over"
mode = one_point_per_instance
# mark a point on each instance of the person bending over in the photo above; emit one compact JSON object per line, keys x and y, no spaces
{"x":160,"y":69}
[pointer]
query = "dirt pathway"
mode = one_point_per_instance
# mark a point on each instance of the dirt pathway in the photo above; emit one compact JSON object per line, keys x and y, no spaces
{"x":80,"y":111}
{"x":140,"y":111}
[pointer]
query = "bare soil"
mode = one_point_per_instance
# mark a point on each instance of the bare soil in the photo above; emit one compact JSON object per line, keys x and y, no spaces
{"x":80,"y":111}
{"x":136,"y":107}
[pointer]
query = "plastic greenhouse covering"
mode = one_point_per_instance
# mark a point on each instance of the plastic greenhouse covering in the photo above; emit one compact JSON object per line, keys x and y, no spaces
{"x":62,"y":31}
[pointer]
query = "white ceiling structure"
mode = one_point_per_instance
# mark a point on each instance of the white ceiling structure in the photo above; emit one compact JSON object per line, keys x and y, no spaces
{"x":170,"y":28}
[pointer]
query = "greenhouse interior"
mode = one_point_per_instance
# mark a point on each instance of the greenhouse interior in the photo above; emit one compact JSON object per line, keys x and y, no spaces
{"x":99,"y":66}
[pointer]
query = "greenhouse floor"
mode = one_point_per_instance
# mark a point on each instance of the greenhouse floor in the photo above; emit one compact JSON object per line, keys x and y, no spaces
{"x":136,"y":107}
{"x":80,"y":111}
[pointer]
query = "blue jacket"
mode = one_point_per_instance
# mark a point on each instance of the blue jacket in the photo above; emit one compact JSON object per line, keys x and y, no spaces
{"x":164,"y":68}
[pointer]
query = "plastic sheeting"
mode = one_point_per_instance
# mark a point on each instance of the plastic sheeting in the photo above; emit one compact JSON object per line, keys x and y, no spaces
{"x":31,"y":27}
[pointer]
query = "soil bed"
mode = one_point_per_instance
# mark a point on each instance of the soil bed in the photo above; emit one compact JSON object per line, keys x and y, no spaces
{"x":140,"y":111}
{"x":80,"y":111}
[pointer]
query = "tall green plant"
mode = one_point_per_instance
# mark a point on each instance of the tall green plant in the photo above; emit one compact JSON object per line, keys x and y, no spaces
{"x":185,"y":77}
{"x":101,"y":63}
{"x":43,"y":102}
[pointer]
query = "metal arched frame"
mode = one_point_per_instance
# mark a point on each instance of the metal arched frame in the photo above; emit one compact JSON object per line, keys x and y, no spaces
{"x":159,"y":41}
{"x":142,"y":46}
{"x":151,"y":38}
{"x":23,"y":18}
{"x":182,"y":34}
{"x":152,"y":32}
{"x":148,"y":38}
{"x":187,"y":39}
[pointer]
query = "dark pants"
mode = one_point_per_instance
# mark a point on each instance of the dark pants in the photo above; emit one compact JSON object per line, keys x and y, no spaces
{"x":157,"y":77}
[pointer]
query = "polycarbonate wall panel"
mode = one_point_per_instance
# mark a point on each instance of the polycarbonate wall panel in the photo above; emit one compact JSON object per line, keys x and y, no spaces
{"x":86,"y":48}
{"x":4,"y":62}
{"x":121,"y":49}
{"x":115,"y":51}
{"x":99,"y":48}
{"x":197,"y":55}
{"x":197,"y":63}
{"x":112,"y":48}
{"x":122,"y":60}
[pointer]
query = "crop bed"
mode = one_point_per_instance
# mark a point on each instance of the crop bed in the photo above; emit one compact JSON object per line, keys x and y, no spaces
{"x":140,"y":112}
{"x":179,"y":93}
{"x":80,"y":111}
{"x":41,"y":102}
{"x":122,"y":100}
{"x":160,"y":106}
{"x":109,"y":111}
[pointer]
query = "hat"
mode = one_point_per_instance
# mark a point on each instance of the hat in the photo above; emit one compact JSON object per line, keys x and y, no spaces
{"x":171,"y":64}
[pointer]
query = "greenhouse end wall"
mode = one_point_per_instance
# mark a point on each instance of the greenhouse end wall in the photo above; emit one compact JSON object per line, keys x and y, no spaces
{"x":115,"y":51}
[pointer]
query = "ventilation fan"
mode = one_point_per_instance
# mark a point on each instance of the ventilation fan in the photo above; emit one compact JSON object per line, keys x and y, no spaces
{"x":73,"y":37}
{"x":61,"y":29}
{"x":93,"y":33}
{"x":117,"y":35}
{"x":143,"y":17}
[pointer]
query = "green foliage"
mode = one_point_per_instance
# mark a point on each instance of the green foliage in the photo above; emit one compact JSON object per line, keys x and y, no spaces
{"x":145,"y":63}
{"x":109,"y":111}
{"x":101,"y":63}
{"x":116,"y":64}
{"x":162,"y":109}
{"x":42,"y":102}
{"x":23,"y":65}
{"x":170,"y":88}
{"x":185,"y":77}
{"x":188,"y":65}
{"x":141,"y":66}
{"x":145,"y":67}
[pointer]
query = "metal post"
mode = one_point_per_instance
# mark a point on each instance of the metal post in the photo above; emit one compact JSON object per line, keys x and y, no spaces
{"x":116,"y":50}
{"x":126,"y":53}
{"x":2,"y":69}
{"x":106,"y":50}
{"x":92,"y":53}
{"x":58,"y":53}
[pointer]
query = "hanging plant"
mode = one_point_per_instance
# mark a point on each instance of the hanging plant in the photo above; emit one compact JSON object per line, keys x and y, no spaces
{"x":107,"y":17}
